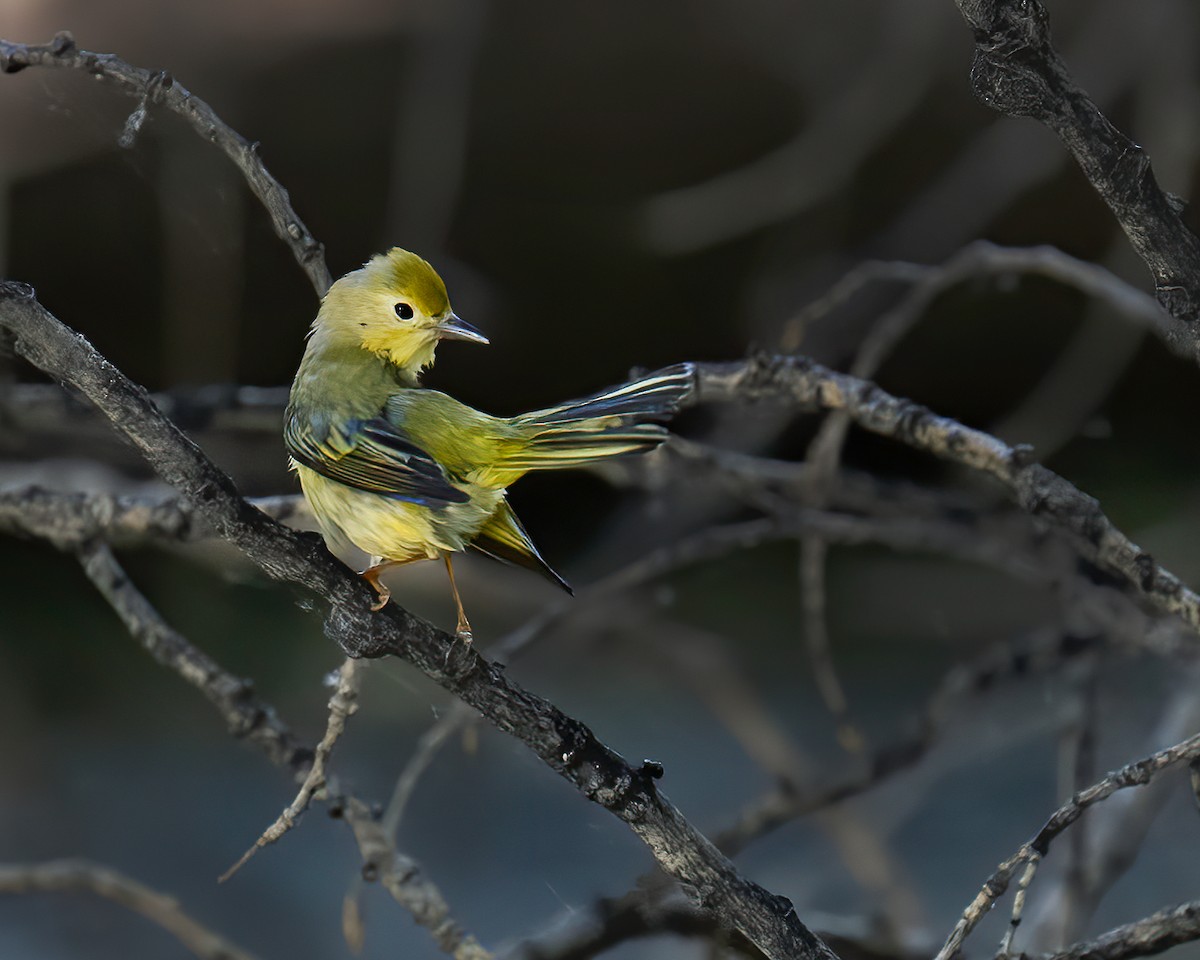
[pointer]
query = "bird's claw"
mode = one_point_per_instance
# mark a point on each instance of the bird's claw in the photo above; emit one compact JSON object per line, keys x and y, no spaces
{"x":371,"y":575}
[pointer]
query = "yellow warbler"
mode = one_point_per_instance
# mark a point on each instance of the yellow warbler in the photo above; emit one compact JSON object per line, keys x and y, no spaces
{"x":406,"y":473}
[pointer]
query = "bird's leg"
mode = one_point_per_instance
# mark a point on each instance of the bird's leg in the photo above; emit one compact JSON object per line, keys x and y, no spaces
{"x":371,"y":575}
{"x":463,"y":630}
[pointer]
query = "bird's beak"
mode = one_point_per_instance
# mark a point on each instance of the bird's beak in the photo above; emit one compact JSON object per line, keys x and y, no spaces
{"x":454,"y":328}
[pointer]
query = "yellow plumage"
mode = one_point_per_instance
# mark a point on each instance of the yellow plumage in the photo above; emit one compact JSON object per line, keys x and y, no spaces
{"x":405,"y":473}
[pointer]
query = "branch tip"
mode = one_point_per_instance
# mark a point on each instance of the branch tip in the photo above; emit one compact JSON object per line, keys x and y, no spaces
{"x":16,"y":290}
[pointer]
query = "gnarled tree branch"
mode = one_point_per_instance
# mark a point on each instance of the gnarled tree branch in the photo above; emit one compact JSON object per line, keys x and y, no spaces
{"x":563,"y":743}
{"x":1018,"y":72}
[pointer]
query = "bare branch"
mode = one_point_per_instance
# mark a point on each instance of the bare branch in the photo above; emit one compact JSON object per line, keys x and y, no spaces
{"x":46,"y":407}
{"x":564,"y":744}
{"x":846,"y":127}
{"x":1113,"y":839}
{"x":246,"y":716}
{"x":1029,"y":656}
{"x":1154,"y":934}
{"x":1018,"y":72}
{"x":67,"y":519}
{"x":814,"y":552}
{"x":159,"y":87}
{"x":171,"y":649}
{"x":1041,"y":492}
{"x":1135,"y":774}
{"x":927,"y":284}
{"x":982,"y":258}
{"x":403,"y":879}
{"x":72,"y":876}
{"x":639,"y":913}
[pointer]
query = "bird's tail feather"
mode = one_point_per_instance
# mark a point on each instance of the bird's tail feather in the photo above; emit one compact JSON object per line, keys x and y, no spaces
{"x":621,"y":420}
{"x":651,"y":398}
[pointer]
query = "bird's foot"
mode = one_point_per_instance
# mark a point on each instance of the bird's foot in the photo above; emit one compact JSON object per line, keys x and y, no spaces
{"x":371,"y":575}
{"x":463,"y":631}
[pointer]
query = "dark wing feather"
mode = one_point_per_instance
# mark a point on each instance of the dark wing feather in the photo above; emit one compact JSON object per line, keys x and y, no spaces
{"x":504,"y":538}
{"x":370,"y":455}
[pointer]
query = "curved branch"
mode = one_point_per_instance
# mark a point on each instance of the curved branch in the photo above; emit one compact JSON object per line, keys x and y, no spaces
{"x":244,"y":713}
{"x":1040,"y":491}
{"x":158,"y":86}
{"x":1153,"y":934}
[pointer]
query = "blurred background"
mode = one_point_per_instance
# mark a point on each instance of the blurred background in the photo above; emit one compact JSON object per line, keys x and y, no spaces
{"x":603,"y":187}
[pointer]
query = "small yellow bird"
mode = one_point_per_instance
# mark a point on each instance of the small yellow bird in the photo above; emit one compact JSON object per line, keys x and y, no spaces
{"x":406,"y":473}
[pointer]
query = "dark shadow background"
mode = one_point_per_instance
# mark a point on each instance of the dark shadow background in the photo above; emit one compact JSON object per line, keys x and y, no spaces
{"x":603,"y":187}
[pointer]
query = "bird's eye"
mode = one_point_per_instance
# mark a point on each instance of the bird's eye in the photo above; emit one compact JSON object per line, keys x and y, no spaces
{"x":404,"y":311}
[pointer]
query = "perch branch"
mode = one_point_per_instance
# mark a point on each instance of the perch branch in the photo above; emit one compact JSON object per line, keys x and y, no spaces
{"x":564,"y":744}
{"x":250,"y":717}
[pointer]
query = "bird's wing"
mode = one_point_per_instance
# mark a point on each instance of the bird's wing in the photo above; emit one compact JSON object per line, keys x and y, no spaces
{"x":504,"y":538}
{"x":371,"y":455}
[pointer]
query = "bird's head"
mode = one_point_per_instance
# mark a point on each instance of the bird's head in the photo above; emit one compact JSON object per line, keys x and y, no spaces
{"x":396,"y":306}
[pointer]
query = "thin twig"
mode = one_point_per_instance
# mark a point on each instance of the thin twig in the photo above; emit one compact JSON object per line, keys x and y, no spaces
{"x":1079,"y":751}
{"x":342,"y":706}
{"x":1029,"y":656}
{"x":428,"y":745}
{"x":1115,"y":833}
{"x":846,"y":127}
{"x":976,"y":260}
{"x":814,"y":552}
{"x":701,"y":660}
{"x":235,"y":701}
{"x":639,"y":913}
